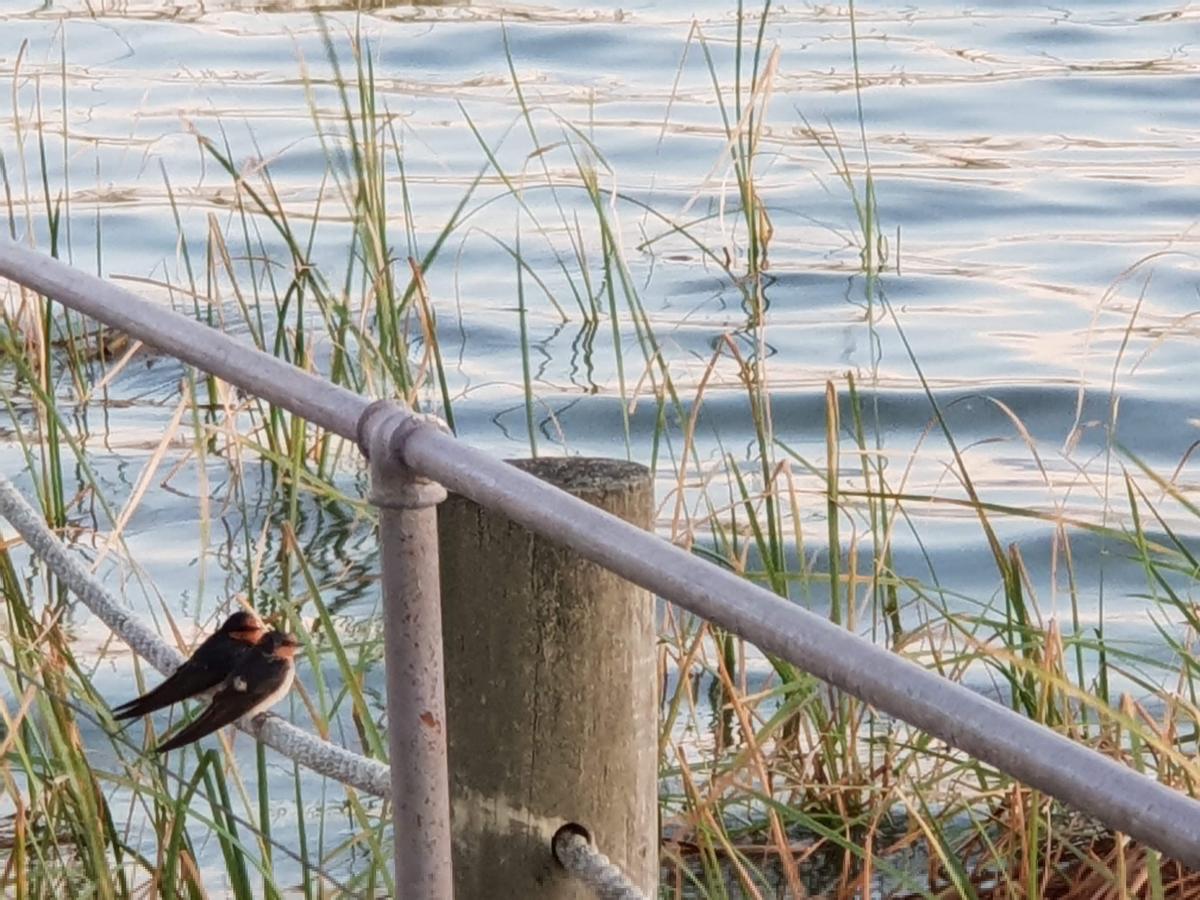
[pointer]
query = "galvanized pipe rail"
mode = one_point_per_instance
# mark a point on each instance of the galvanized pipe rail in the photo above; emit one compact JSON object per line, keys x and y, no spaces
{"x":1116,"y":795}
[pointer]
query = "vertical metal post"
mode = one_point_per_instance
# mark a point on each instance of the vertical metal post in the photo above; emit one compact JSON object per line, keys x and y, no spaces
{"x":412,"y":617}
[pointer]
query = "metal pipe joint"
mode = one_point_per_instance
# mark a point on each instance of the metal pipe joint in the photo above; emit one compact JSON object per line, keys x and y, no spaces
{"x":383,"y":429}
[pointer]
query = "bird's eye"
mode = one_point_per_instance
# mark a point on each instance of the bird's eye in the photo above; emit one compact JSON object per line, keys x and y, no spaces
{"x":239,"y":684}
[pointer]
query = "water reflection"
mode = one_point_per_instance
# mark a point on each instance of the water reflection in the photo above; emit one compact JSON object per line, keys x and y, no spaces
{"x":200,"y":9}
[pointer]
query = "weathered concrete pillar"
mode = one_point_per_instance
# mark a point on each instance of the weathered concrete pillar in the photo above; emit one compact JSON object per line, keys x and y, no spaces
{"x":551,"y":701}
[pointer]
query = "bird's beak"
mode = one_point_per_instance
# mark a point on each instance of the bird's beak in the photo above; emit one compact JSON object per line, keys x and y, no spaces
{"x":285,"y":648}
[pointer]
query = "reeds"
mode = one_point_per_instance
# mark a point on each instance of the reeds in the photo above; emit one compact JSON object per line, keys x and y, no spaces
{"x":770,"y":780}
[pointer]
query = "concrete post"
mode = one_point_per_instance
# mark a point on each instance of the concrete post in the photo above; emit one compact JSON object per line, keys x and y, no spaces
{"x":412,"y":636}
{"x":550,"y":691}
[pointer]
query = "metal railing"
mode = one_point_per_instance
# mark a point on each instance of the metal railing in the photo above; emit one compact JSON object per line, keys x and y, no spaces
{"x":410,"y":458}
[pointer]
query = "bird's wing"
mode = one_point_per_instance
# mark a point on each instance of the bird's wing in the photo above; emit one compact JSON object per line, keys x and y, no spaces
{"x":188,"y":680}
{"x":200,"y":672}
{"x":236,"y":697}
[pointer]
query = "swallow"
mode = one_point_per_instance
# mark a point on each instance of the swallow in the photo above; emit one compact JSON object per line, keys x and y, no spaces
{"x":260,"y":680}
{"x":204,"y":669}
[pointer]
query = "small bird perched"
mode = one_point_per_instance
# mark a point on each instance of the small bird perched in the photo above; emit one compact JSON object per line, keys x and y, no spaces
{"x":260,"y":680}
{"x":203,"y":670}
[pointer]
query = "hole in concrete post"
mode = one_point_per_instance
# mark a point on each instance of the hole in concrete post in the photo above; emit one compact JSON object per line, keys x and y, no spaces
{"x":569,"y":830}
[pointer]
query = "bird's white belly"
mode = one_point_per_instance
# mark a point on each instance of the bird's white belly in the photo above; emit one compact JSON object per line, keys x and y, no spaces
{"x":272,"y":698}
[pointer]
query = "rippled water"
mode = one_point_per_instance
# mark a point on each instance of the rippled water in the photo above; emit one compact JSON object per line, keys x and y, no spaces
{"x":1035,"y":169}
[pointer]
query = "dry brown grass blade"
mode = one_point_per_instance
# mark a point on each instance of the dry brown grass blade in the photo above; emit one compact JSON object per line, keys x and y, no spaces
{"x":143,"y":482}
{"x":12,"y":723}
{"x":758,"y":761}
{"x":711,"y":825}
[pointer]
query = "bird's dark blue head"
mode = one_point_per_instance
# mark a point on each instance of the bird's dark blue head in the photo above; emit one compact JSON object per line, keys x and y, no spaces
{"x":279,"y":644}
{"x":243,"y":625}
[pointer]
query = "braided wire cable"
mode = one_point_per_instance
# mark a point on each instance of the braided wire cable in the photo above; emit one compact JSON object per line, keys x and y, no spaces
{"x":575,"y":852}
{"x":338,"y":763}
